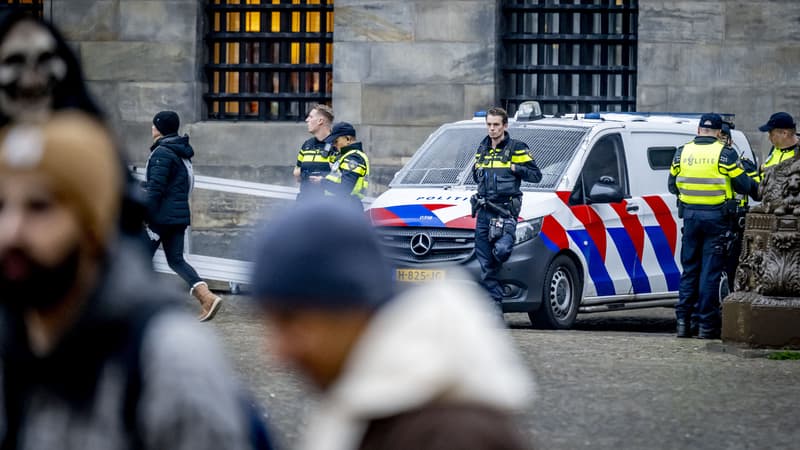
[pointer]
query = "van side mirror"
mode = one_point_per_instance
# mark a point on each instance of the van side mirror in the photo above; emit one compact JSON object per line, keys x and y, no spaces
{"x":606,"y":190}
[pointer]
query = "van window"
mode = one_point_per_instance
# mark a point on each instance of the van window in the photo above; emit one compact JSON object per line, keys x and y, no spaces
{"x":443,"y":158}
{"x":607,"y":159}
{"x":446,"y":158}
{"x":660,"y":158}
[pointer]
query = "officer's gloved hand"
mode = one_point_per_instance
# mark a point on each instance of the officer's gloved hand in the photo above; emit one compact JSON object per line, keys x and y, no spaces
{"x":748,"y":166}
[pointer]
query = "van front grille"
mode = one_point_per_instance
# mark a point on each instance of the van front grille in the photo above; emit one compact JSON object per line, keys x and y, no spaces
{"x":422,"y":245}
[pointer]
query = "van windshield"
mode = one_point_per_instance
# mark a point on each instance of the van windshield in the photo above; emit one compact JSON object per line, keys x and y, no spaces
{"x":446,"y":159}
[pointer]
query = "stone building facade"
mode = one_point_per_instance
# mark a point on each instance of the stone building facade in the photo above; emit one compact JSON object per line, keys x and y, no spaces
{"x":400,"y":69}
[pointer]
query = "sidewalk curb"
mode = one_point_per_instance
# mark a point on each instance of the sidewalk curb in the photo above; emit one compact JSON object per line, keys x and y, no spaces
{"x":740,"y":350}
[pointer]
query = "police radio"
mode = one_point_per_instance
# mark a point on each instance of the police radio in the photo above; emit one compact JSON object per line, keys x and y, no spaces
{"x":328,"y":151}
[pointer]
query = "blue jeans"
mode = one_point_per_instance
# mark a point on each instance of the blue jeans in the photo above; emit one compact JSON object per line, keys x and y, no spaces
{"x":703,"y":257}
{"x":492,"y":255}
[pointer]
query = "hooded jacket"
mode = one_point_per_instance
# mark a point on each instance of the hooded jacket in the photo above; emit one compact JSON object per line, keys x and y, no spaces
{"x":169,"y":181}
{"x":434,"y":369}
{"x":91,"y":392}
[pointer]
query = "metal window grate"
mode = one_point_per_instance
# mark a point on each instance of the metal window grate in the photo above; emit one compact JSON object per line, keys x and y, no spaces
{"x":34,"y":7}
{"x":268,"y":59}
{"x":570,"y":55}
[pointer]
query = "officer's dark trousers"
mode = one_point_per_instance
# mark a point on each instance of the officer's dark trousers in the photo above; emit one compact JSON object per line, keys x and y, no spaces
{"x":491,"y":255}
{"x":703,"y":260}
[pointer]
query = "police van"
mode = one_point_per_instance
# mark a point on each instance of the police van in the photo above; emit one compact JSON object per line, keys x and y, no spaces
{"x":599,"y":232}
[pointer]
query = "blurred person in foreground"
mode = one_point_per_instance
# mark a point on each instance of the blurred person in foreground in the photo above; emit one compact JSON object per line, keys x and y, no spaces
{"x":427,"y":368}
{"x":39,"y":75}
{"x":95,"y":353}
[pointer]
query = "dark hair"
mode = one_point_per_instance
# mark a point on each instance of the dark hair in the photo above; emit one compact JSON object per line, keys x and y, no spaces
{"x":325,"y":110}
{"x":71,"y":92}
{"x":498,"y":111}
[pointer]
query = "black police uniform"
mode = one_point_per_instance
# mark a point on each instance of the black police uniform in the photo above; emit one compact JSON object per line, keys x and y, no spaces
{"x":313,"y":159}
{"x":498,"y":203}
{"x":707,"y":215}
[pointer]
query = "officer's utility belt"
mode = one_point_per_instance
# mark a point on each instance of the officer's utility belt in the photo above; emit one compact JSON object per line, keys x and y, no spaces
{"x":507,"y":209}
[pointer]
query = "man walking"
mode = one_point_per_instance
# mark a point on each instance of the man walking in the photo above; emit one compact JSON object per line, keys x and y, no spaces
{"x":315,"y":156}
{"x":168,"y":183}
{"x":501,"y":164}
{"x":704,"y":174}
{"x":95,"y":354}
{"x":429,"y":368}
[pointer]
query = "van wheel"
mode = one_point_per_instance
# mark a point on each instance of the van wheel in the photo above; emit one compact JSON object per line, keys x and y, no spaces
{"x":561,"y":296}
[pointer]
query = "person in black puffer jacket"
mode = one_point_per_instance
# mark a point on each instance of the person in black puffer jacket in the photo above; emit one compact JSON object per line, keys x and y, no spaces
{"x":168,"y":184}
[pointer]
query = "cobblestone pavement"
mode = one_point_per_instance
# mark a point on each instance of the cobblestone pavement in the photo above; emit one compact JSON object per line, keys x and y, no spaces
{"x":618,"y":381}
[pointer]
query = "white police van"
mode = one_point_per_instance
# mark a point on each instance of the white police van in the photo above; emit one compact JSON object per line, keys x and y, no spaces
{"x":599,"y":232}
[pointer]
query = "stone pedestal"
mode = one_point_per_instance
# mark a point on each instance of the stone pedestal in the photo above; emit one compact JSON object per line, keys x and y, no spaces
{"x":764,"y":311}
{"x":761,"y":322}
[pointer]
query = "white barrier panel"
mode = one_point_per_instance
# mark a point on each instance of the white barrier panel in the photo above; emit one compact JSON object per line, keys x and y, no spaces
{"x":232,"y":271}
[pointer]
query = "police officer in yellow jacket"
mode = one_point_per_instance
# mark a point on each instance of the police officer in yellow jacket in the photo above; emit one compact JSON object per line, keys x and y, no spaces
{"x":501,"y":164}
{"x":315,"y":157}
{"x":349,"y":173}
{"x":783,"y":137}
{"x":705,"y":174}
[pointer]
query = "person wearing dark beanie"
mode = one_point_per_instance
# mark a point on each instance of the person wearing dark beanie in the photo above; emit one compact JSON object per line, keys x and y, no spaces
{"x":168,"y":185}
{"x":396,"y":368}
{"x":167,"y":123}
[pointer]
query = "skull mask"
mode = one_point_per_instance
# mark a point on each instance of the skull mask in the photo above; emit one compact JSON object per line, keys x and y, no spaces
{"x":30,"y":68}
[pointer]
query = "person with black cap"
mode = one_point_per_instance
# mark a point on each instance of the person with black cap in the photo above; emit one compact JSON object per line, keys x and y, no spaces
{"x":704,"y":175}
{"x":783,"y":136}
{"x":168,"y":183}
{"x":350,"y":171}
{"x":426,"y":368}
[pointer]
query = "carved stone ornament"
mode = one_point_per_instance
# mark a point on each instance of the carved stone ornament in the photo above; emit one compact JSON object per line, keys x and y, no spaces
{"x":770,"y":260}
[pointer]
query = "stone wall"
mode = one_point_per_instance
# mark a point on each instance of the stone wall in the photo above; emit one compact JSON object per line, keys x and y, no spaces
{"x":401,"y":69}
{"x":734,"y":56}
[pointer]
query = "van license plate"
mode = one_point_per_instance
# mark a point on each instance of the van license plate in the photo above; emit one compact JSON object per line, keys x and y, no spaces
{"x":417,"y":275}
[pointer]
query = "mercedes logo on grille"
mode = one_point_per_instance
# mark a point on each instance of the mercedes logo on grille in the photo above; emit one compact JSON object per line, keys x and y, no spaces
{"x":421,"y":244}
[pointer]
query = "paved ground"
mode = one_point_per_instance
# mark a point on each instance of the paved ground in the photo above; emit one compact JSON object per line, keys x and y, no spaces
{"x":619,"y":381}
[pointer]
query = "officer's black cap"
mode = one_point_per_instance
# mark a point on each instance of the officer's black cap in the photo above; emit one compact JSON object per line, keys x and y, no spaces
{"x":711,"y":120}
{"x":778,"y":120}
{"x":322,"y":254}
{"x":340,"y":129}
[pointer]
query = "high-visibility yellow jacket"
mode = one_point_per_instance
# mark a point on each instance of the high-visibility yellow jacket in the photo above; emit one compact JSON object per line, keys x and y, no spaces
{"x":705,"y":173}
{"x":349,"y":174}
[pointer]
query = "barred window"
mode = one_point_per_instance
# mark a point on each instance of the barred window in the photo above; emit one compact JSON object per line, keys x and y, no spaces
{"x":570,"y":55}
{"x":33,"y":6}
{"x":268,"y":59}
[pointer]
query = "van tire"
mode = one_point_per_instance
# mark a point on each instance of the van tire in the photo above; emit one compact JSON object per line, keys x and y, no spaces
{"x":561,"y":295}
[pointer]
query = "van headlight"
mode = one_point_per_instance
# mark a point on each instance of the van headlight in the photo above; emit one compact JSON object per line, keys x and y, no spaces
{"x":528,"y":230}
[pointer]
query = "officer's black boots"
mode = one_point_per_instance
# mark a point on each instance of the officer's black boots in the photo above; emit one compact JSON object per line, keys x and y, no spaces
{"x":709,"y":333}
{"x":684,"y":329}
